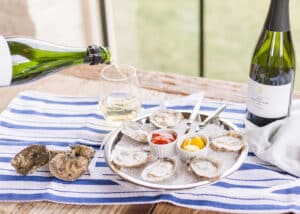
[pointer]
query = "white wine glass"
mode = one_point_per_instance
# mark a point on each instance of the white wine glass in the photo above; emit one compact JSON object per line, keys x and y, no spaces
{"x":119,"y":96}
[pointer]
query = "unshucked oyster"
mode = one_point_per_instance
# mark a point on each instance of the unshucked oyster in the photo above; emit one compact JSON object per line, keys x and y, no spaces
{"x":160,"y":170}
{"x":70,"y":165}
{"x":30,"y":159}
{"x":135,"y":131}
{"x":164,"y":118}
{"x":67,"y":165}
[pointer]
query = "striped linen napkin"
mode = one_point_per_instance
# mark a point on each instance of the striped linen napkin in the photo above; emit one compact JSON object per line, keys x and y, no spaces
{"x":57,"y":122}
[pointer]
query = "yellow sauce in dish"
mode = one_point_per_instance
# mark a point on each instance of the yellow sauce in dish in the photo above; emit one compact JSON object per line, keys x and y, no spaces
{"x":193,"y":144}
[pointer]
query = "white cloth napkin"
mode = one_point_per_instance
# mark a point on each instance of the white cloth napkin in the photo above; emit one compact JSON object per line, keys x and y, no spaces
{"x":279,"y":142}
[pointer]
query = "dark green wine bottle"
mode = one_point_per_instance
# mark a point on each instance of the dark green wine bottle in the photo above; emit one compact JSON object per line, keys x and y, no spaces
{"x":25,"y":59}
{"x":272,"y":70}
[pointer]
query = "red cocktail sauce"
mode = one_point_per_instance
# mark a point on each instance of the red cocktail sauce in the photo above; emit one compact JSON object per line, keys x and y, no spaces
{"x":162,"y":138}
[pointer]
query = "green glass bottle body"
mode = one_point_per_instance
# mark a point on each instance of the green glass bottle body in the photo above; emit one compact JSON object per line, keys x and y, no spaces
{"x":272,"y":72}
{"x":32,"y":59}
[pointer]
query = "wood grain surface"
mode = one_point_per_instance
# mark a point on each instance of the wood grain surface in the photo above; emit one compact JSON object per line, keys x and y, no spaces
{"x":83,"y":81}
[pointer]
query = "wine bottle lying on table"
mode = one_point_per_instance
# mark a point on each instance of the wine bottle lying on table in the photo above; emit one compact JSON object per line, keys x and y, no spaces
{"x":272,"y":71}
{"x":25,"y":59}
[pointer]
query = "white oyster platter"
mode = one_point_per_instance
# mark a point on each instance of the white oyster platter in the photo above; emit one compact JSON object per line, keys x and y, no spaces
{"x":130,"y":154}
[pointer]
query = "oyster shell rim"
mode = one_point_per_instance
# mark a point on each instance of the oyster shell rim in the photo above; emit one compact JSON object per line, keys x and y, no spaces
{"x":130,"y":166}
{"x":153,"y":122}
{"x":173,"y":161}
{"x":131,"y":136}
{"x":217,"y":164}
{"x":231,"y":133}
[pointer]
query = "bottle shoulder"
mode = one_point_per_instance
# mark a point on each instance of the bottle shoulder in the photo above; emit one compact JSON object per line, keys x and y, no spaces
{"x":274,"y":49}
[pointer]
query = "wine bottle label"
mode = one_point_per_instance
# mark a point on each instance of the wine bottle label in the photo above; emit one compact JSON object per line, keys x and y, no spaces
{"x":268,"y":101}
{"x":5,"y":63}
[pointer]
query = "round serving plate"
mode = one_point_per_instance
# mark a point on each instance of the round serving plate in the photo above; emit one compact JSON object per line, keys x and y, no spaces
{"x":116,"y":135}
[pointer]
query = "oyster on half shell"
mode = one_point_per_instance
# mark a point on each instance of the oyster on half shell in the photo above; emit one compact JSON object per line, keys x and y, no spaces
{"x":30,"y":159}
{"x":233,"y":141}
{"x":205,"y":168}
{"x":164,"y":118}
{"x":160,"y":170}
{"x":70,"y":165}
{"x":213,"y":130}
{"x":129,"y":157}
{"x":135,"y":131}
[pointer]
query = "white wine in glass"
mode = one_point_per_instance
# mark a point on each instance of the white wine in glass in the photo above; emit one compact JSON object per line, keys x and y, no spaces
{"x":119,"y":98}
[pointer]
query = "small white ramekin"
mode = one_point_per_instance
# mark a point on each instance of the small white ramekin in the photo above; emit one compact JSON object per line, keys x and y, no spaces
{"x":188,"y":155}
{"x":163,"y":150}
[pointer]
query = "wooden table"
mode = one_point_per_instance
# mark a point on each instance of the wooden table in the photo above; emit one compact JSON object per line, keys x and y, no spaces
{"x":82,"y":81}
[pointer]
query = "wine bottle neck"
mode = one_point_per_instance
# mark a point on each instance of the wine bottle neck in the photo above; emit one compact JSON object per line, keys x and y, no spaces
{"x":95,"y":55}
{"x":278,"y":16}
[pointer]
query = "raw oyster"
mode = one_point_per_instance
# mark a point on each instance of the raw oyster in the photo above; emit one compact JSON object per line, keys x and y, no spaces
{"x":205,"y":168}
{"x":165,"y":118}
{"x":30,"y":159}
{"x":213,"y":130}
{"x":231,"y":142}
{"x":235,"y":134}
{"x":70,"y":165}
{"x":129,"y":157}
{"x":160,"y":170}
{"x":135,"y":131}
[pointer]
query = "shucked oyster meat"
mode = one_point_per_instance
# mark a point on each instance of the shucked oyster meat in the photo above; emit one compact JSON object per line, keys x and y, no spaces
{"x":164,"y":118}
{"x":30,"y":159}
{"x":205,"y":168}
{"x":129,"y":157}
{"x":70,"y":165}
{"x":160,"y":170}
{"x":135,"y":131}
{"x":213,"y":130}
{"x":232,"y":141}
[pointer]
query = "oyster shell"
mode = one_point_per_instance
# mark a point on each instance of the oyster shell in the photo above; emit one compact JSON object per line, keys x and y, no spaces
{"x":135,"y":131}
{"x":205,"y":168}
{"x":231,"y":142}
{"x":160,"y":170}
{"x":165,"y":118}
{"x":30,"y":159}
{"x":70,"y":165}
{"x":85,"y":151}
{"x":129,"y":157}
{"x":213,"y":130}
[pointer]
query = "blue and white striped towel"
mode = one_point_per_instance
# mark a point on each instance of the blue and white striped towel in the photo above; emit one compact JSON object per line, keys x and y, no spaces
{"x":57,"y":122}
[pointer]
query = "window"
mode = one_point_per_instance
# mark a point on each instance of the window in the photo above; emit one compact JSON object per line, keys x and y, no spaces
{"x":165,"y":35}
{"x":158,"y":35}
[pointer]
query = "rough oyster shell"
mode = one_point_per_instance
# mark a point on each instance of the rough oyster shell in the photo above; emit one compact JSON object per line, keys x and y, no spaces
{"x":129,"y":157}
{"x":205,"y":168}
{"x":85,"y":151}
{"x":135,"y":131}
{"x":160,"y":170}
{"x":70,"y":165}
{"x":164,"y":118}
{"x":231,"y":142}
{"x":30,"y":159}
